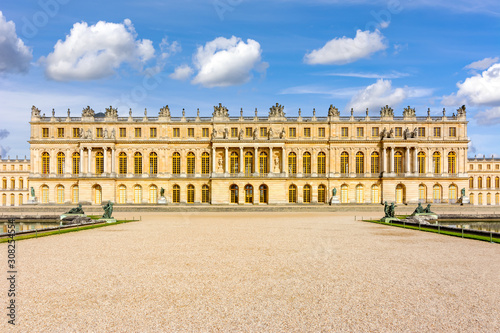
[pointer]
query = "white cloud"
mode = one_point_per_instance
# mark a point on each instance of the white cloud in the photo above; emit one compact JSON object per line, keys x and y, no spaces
{"x":320,"y":90}
{"x":480,"y":89}
{"x":14,"y":55}
{"x":227,"y":62}
{"x":96,"y":51}
{"x":488,"y":117}
{"x":182,"y":72}
{"x":393,"y":75}
{"x":382,"y":93}
{"x":169,"y":49}
{"x":482,"y":64}
{"x":345,"y":50}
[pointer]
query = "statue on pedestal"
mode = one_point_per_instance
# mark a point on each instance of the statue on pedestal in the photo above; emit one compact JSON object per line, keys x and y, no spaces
{"x":76,"y":210}
{"x":419,"y":209}
{"x":108,"y":210}
{"x":162,"y":192}
{"x":428,"y":209}
{"x":32,"y":190}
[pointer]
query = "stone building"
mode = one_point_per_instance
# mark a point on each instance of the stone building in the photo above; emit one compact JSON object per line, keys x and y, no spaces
{"x":15,"y":184}
{"x":484,"y":181}
{"x":248,"y":159}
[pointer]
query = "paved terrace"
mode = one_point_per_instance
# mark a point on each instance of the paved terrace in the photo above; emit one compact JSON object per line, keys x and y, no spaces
{"x":255,"y":272}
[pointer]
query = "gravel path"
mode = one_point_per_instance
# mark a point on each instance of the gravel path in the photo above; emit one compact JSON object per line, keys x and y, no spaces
{"x":255,"y":272}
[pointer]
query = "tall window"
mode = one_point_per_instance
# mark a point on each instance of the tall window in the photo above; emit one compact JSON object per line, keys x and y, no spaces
{"x":60,"y":163}
{"x":137,"y":194}
{"x":398,"y":132}
{"x":360,"y":132}
{"x":123,"y":132}
{"x":205,"y":163}
{"x":45,"y":163}
{"x":421,"y":162}
{"x":122,"y":163}
{"x":306,"y":193}
{"x":45,"y":194}
{"x":137,"y":163}
{"x":321,"y":132}
{"x":4,"y":183}
{"x":98,"y":132}
{"x":138,"y":132}
{"x":153,"y":194}
{"x":437,"y":132}
{"x":375,"y":131}
{"x":74,"y":194}
{"x":152,"y":132}
{"x":263,"y":193}
{"x":263,"y":167}
{"x":122,"y":194}
{"x":292,"y":132}
{"x":60,"y":194}
{"x":422,"y":193}
{"x":234,"y":162}
{"x":436,"y":193}
{"x":360,"y":162}
{"x":190,"y":193}
{"x":153,"y":163}
{"x":191,"y":132}
{"x":76,"y":163}
{"x":233,"y":189}
{"x":398,"y":162}
{"x":204,"y":132}
{"x":234,"y":132}
{"x":471,"y":182}
{"x":292,"y":163}
{"x":306,"y":163}
{"x":453,"y":193}
{"x":344,"y":162}
{"x":452,"y":162}
{"x":497,"y":182}
{"x":205,"y":194}
{"x":436,"y":159}
{"x":292,"y":194}
{"x":360,"y":194}
{"x":20,"y":199}
{"x":321,"y":163}
{"x":421,"y":132}
{"x":321,"y":194}
{"x":176,"y":194}
{"x":45,"y":132}
{"x":248,"y":193}
{"x":375,"y":194}
{"x":248,"y":132}
{"x":480,"y":199}
{"x":60,"y":132}
{"x":344,"y":132}
{"x":21,"y":183}
{"x":99,"y":163}
{"x":344,"y":198}
{"x":12,"y":183}
{"x":488,"y":182}
{"x":190,"y":163}
{"x":263,"y":131}
{"x":248,"y":163}
{"x":375,"y":162}
{"x":76,"y":132}
{"x":307,"y":132}
{"x":176,"y":163}
{"x":176,"y":132}
{"x":480,"y":182}
{"x":453,"y":131}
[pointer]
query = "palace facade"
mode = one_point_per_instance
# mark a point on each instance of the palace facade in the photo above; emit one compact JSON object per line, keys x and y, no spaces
{"x":247,"y":160}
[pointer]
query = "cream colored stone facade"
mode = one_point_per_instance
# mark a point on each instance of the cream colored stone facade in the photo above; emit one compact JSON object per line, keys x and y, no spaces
{"x":248,"y":160}
{"x":484,"y":181}
{"x":14,"y":181}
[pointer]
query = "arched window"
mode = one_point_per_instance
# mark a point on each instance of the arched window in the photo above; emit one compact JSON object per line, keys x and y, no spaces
{"x":263,"y":167}
{"x":488,"y":182}
{"x":138,"y":163}
{"x":45,"y":163}
{"x":190,"y":163}
{"x":234,"y":193}
{"x":471,"y":198}
{"x":306,"y":194}
{"x":76,"y":163}
{"x":375,"y":194}
{"x":122,"y":163}
{"x":436,"y":193}
{"x":205,"y":163}
{"x":452,"y":162}
{"x":422,"y":193}
{"x":20,"y":199}
{"x":471,"y":182}
{"x":497,"y":198}
{"x":97,"y":194}
{"x":344,"y":194}
{"x":421,"y":162}
{"x":190,"y":193}
{"x":137,"y":194}
{"x":488,"y":198}
{"x":153,"y":163}
{"x":398,"y":162}
{"x":153,"y":194}
{"x":360,"y":194}
{"x":292,"y":163}
{"x":480,"y":199}
{"x":205,"y":194}
{"x":436,"y":160}
{"x":248,"y":193}
{"x":4,"y":183}
{"x":176,"y":163}
{"x":99,"y":163}
{"x":344,"y":162}
{"x":263,"y":193}
{"x":21,"y":183}
{"x":292,"y":194}
{"x":452,"y":193}
{"x":12,"y":183}
{"x":306,"y":163}
{"x":375,"y":162}
{"x":122,"y":194}
{"x":248,"y":163}
{"x":234,"y":162}
{"x":321,"y":163}
{"x":4,"y":199}
{"x":75,"y":194}
{"x":176,"y":194}
{"x":45,"y":194}
{"x":480,"y":182}
{"x":321,"y":193}
{"x":12,"y":199}
{"x":497,"y":182}
{"x":360,"y":162}
{"x":60,"y":194}
{"x":60,"y":163}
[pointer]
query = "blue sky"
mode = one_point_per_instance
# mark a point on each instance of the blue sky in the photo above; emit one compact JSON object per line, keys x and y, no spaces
{"x":249,"y":54}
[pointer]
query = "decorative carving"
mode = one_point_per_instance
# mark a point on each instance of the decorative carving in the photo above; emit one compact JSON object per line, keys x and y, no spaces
{"x":276,"y":111}
{"x":105,"y":135}
{"x":386,"y":111}
{"x":111,"y":112}
{"x":255,"y":134}
{"x":164,"y":111}
{"x":240,"y":135}
{"x":461,"y":111}
{"x":409,"y":112}
{"x":214,"y":134}
{"x":391,"y":133}
{"x":89,"y":134}
{"x":113,"y":134}
{"x":220,"y":111}
{"x":282,"y":134}
{"x":35,"y":112}
{"x":270,"y":134}
{"x":406,"y":134}
{"x":333,"y":111}
{"x":88,"y":112}
{"x":226,"y":133}
{"x":414,"y":134}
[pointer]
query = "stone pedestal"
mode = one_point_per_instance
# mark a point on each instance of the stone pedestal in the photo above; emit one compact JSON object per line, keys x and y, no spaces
{"x":162,"y":201}
{"x":464,"y":200}
{"x":111,"y":220}
{"x":389,"y":219}
{"x":335,"y":200}
{"x":64,"y":216}
{"x":32,"y":201}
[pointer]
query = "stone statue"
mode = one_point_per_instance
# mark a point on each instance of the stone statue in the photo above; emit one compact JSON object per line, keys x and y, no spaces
{"x":105,"y":135}
{"x":89,"y":134}
{"x":226,"y":133}
{"x":461,"y":111}
{"x":386,"y":111}
{"x":384,"y":133}
{"x":391,"y":133}
{"x":219,"y":163}
{"x":108,"y":210}
{"x":276,"y":164}
{"x":76,"y":210}
{"x":418,"y":210}
{"x":333,"y":111}
{"x":282,"y":134}
{"x":392,"y":210}
{"x":463,"y":192}
{"x":276,"y":111}
{"x":415,"y":133}
{"x":113,"y":133}
{"x":214,"y":134}
{"x":270,"y":133}
{"x":386,"y":209}
{"x":220,"y":111}
{"x":32,"y":190}
{"x":255,"y":134}
{"x":240,"y":135}
{"x":406,"y":133}
{"x":88,"y":112}
{"x":428,"y":209}
{"x":334,"y":191}
{"x":162,"y":192}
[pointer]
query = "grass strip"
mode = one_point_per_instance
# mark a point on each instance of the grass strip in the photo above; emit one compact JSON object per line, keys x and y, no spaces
{"x":442,"y":232}
{"x":63,"y":231}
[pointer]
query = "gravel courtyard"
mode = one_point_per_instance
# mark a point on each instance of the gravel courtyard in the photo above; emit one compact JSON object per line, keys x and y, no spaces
{"x":254,"y":272}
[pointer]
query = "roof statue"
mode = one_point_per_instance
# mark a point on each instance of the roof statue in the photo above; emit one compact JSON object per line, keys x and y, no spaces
{"x":220,"y":111}
{"x":164,"y":112}
{"x":111,"y":112}
{"x":386,"y":111}
{"x":276,"y":111}
{"x":333,"y":111}
{"x":409,"y":112}
{"x":461,"y":111}
{"x":88,"y":112}
{"x":35,"y":112}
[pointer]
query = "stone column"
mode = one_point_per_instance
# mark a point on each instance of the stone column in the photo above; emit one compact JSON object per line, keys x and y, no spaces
{"x":113,"y":160}
{"x":415,"y":160}
{"x":283,"y":157}
{"x":270,"y":159}
{"x":226,"y":150}
{"x":89,"y":153}
{"x":213,"y":160}
{"x":392,"y":160}
{"x":241,"y":161}
{"x":255,"y":159}
{"x":407,"y":162}
{"x":383,"y":160}
{"x":429,"y":161}
{"x":105,"y":153}
{"x":444,"y":154}
{"x":80,"y":167}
